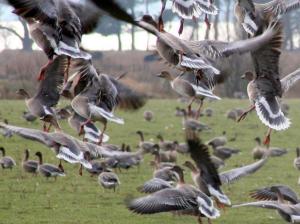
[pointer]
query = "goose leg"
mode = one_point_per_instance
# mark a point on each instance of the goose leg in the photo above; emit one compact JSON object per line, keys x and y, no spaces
{"x":181,"y":26}
{"x":199,"y":110}
{"x":41,"y":75}
{"x":80,"y":170}
{"x":190,"y":106}
{"x":268,"y":138}
{"x":199,"y":220}
{"x":48,"y":129}
{"x":60,"y":166}
{"x":209,"y":221}
{"x":82,"y":125}
{"x":160,"y":19}
{"x":207,"y":22}
{"x":243,"y":116}
{"x":102,"y":134}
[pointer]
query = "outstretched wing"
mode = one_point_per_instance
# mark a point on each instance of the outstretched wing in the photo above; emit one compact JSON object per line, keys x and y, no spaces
{"x":233,"y":175}
{"x":290,"y":80}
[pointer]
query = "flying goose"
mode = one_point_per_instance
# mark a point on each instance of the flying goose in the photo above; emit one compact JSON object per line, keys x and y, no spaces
{"x":199,"y":56}
{"x":47,"y":96}
{"x":6,"y":162}
{"x":154,"y":185}
{"x":57,"y":26}
{"x":252,"y":16}
{"x":270,"y":194}
{"x":290,"y":212}
{"x":65,"y":146}
{"x":48,"y":170}
{"x":182,"y":199}
{"x":191,"y":9}
{"x":190,"y":90}
{"x":29,"y":166}
{"x":265,"y":88}
{"x":89,"y":131}
{"x":208,"y":179}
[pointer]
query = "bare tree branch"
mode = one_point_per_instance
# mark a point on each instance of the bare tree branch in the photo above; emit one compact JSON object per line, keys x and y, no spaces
{"x":11,"y":31}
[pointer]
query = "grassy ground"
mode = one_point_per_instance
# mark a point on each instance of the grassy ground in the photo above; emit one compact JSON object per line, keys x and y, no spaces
{"x":75,"y":199}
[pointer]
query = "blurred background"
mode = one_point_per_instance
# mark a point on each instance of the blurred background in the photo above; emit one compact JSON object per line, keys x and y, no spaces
{"x":119,"y":48}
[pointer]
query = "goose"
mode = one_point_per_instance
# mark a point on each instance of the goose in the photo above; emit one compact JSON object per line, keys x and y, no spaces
{"x":165,"y":158}
{"x":181,"y":147}
{"x":66,"y":147}
{"x":187,"y":89}
{"x":164,"y":172}
{"x":297,"y":159}
{"x":258,"y":151}
{"x":57,"y":27}
{"x":189,"y":10}
{"x":218,"y":141}
{"x":98,"y":98}
{"x":218,"y":163}
{"x":154,"y":185}
{"x":97,"y":167}
{"x":192,"y":124}
{"x":209,"y":112}
{"x":164,"y":144}
{"x":148,"y":115}
{"x":6,"y":162}
{"x":252,"y":16}
{"x":224,"y":152}
{"x":88,"y":129}
{"x":232,"y":114}
{"x":204,"y":173}
{"x":183,"y":199}
{"x":47,"y":96}
{"x":270,"y":193}
{"x":148,"y":147}
{"x":29,"y":166}
{"x":109,"y":180}
{"x":290,"y":212}
{"x":265,"y":87}
{"x":48,"y":170}
{"x":199,"y":56}
{"x":29,"y":116}
{"x":6,"y":133}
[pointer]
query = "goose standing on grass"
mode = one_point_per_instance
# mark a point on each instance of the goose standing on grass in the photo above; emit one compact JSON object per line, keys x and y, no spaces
{"x":252,"y":16}
{"x":109,"y":180}
{"x":191,"y":9}
{"x":183,"y":199}
{"x":147,"y":146}
{"x":57,"y":27}
{"x":48,"y":170}
{"x":218,"y":141}
{"x":265,"y":87}
{"x":47,"y":96}
{"x":165,"y":144}
{"x":29,"y":166}
{"x":192,"y":124}
{"x":297,"y":159}
{"x":187,"y":89}
{"x":148,"y":115}
{"x":225,"y":152}
{"x":6,"y":162}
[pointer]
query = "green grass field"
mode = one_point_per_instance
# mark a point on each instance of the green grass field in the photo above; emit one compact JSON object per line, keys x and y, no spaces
{"x":76,"y":199}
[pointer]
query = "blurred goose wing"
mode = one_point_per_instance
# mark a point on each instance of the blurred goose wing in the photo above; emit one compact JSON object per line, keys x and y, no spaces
{"x":154,"y":185}
{"x":290,"y":80}
{"x":233,"y":175}
{"x":270,"y":193}
{"x":163,"y":201}
{"x":279,"y":7}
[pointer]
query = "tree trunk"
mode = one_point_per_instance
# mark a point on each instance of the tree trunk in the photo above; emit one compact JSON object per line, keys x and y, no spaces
{"x":227,"y":18}
{"x":216,"y":22}
{"x":26,"y":41}
{"x":119,"y":41}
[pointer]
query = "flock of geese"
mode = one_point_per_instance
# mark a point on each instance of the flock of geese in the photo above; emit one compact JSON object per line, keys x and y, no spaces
{"x":57,"y":27}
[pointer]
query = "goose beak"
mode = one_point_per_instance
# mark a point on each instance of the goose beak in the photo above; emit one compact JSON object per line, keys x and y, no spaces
{"x":159,"y":75}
